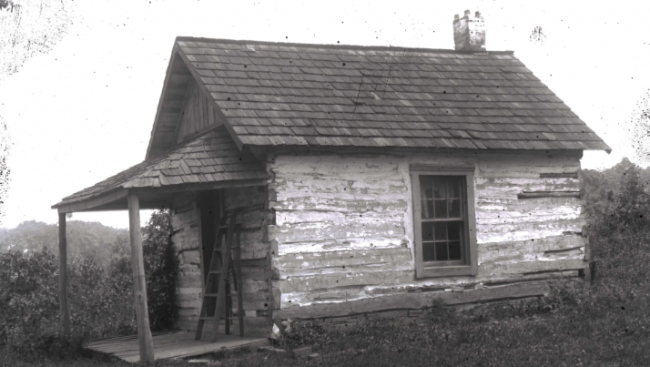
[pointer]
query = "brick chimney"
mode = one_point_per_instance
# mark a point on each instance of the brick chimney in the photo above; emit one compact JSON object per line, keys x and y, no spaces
{"x":469,"y":33}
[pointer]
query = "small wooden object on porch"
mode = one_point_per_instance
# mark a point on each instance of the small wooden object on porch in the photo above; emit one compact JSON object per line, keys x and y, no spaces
{"x":217,"y":302}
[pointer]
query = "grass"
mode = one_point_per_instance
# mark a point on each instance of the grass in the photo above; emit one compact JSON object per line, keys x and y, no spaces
{"x":607,"y":324}
{"x":603,"y":324}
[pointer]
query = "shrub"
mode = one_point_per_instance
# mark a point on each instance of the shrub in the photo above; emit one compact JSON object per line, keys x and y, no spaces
{"x":620,"y":230}
{"x":100,"y":300}
{"x":29,"y":301}
{"x":161,"y":268}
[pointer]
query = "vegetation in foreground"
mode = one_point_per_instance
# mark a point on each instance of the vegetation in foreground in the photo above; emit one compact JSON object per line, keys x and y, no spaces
{"x":606,"y":323}
{"x":100,"y":295}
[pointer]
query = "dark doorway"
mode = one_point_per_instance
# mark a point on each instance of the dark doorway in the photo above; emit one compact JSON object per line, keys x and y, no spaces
{"x":210,"y":204}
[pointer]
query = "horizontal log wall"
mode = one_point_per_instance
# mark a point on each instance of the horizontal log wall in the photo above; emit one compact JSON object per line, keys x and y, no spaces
{"x":343,"y":231}
{"x":257,"y":299}
{"x":185,"y":222}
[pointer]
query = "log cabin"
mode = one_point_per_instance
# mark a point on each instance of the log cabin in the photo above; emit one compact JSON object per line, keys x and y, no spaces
{"x":366,"y":179}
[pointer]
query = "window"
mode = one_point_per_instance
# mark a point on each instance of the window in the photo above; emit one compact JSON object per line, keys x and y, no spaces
{"x":444,"y":220}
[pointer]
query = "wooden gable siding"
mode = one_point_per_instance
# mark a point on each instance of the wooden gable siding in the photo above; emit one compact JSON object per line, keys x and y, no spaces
{"x":255,"y":259}
{"x":343,"y":228}
{"x":198,"y":113}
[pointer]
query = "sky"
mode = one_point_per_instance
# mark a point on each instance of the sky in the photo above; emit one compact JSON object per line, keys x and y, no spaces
{"x":84,"y":111}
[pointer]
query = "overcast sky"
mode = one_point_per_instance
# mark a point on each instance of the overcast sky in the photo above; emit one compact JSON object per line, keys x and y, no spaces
{"x":84,"y":111}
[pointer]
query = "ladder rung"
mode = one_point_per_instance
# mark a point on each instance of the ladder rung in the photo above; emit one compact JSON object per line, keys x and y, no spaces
{"x":226,"y":226}
{"x":232,"y":294}
{"x":231,"y":247}
{"x":211,"y":318}
{"x":230,"y":267}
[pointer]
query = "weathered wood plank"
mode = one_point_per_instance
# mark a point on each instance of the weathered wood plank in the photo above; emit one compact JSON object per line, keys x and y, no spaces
{"x":64,"y":325}
{"x":327,"y":206}
{"x":293,"y":262}
{"x":415,"y":301}
{"x":345,"y":278}
{"x":498,"y":232}
{"x":316,"y":231}
{"x":558,"y":174}
{"x":546,"y":194}
{"x":140,"y":289}
{"x":531,"y":267}
{"x":95,"y":203}
{"x":499,"y":251}
{"x":174,"y":345}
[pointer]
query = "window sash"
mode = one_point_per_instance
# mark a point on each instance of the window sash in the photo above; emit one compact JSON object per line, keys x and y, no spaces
{"x":468,"y":265}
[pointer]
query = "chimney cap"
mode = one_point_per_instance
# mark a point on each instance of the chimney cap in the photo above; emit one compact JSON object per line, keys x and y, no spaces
{"x":469,"y":33}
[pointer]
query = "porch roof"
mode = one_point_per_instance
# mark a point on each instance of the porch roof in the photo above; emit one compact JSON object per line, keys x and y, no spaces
{"x":211,"y":160}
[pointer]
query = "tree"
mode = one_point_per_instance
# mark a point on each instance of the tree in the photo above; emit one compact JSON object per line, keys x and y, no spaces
{"x":640,"y":129}
{"x":30,"y":27}
{"x":90,"y":239}
{"x":27,"y":27}
{"x":161,"y":268}
{"x":4,"y":169}
{"x":537,"y":35}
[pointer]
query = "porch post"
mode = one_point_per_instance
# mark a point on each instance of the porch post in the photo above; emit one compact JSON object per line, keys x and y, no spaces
{"x":63,"y":279}
{"x":139,"y":285}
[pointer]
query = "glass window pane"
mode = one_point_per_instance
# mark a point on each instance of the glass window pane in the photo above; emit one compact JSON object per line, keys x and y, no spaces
{"x":454,"y":231}
{"x":454,"y":209}
{"x":454,"y":187}
{"x":454,"y":250}
{"x":441,"y":251}
{"x":440,"y":231}
{"x":426,"y":187}
{"x":427,"y":209}
{"x":439,"y":188}
{"x":427,"y":252}
{"x":427,"y":231}
{"x":441,"y":209}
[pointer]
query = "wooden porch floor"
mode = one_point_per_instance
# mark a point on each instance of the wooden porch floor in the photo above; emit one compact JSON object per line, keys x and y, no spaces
{"x":171,"y":345}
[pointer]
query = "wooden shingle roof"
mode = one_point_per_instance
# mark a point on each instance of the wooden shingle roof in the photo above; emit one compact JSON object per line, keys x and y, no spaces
{"x":296,"y":94}
{"x":212,"y":157}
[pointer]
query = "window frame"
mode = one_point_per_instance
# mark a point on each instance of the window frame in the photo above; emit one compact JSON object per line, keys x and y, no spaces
{"x":430,"y":269}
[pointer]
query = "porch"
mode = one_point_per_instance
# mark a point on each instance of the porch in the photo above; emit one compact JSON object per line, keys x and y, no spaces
{"x":172,"y":345}
{"x":199,"y":169}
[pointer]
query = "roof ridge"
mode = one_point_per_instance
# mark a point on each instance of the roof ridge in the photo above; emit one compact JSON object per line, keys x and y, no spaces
{"x":341,"y":47}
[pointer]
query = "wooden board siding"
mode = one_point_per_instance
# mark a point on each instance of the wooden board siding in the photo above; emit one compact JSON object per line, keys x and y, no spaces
{"x":343,"y":227}
{"x":257,"y":299}
{"x":198,"y":113}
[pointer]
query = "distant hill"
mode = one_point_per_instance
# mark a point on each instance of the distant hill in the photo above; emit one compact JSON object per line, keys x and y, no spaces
{"x":84,"y":238}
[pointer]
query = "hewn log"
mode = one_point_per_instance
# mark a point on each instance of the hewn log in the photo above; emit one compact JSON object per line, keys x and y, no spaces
{"x":139,"y":285}
{"x":559,"y":174}
{"x":63,"y":278}
{"x":414,"y":301}
{"x":548,"y":194}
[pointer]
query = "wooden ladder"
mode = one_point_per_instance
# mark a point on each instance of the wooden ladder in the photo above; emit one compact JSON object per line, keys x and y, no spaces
{"x":218,"y":302}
